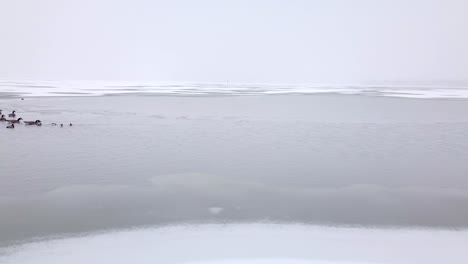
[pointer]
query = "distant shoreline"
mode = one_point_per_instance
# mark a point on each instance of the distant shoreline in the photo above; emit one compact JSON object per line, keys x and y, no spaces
{"x":10,"y":89}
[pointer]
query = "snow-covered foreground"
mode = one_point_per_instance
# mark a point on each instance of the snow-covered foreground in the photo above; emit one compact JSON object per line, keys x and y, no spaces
{"x":249,"y":244}
{"x":269,"y":261}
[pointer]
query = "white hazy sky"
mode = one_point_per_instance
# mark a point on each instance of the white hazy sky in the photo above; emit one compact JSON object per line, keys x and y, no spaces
{"x":265,"y":41}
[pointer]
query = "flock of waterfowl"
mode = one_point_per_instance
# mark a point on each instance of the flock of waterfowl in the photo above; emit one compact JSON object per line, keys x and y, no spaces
{"x":12,"y":122}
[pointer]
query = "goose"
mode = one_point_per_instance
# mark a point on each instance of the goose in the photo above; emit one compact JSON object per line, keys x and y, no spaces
{"x":13,"y":121}
{"x":13,"y":114}
{"x":37,"y":122}
{"x":11,"y":126}
{"x":2,"y":118}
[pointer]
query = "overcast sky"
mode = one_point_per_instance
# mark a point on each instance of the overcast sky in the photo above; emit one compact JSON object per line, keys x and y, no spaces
{"x":262,"y":41}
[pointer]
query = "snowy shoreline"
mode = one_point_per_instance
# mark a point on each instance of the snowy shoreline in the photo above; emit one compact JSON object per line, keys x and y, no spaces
{"x":82,"y":88}
{"x":250,"y":243}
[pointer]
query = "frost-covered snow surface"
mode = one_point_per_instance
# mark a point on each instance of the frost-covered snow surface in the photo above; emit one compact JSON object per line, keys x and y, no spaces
{"x":249,"y":244}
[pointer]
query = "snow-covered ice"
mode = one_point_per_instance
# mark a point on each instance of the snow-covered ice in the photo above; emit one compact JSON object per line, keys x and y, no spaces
{"x":256,"y":243}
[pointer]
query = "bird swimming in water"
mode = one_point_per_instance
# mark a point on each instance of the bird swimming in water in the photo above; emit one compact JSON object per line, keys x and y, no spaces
{"x":13,"y":114}
{"x":30,"y":123}
{"x":71,"y":124}
{"x":2,"y":118}
{"x":11,"y":126}
{"x":13,"y":121}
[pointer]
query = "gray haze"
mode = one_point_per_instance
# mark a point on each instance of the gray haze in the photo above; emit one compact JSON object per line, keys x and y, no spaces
{"x":322,"y":41}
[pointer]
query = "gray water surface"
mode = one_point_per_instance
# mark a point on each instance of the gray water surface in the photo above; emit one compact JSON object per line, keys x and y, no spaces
{"x":149,"y":160}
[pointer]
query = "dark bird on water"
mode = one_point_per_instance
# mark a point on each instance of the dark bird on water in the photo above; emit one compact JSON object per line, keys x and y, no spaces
{"x":13,"y":121}
{"x":13,"y":114}
{"x":11,"y":126}
{"x":30,"y":123}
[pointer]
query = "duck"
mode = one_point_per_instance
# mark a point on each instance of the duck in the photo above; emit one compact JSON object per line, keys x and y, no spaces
{"x":13,"y":121}
{"x":2,"y":118}
{"x":13,"y":114}
{"x":11,"y":126}
{"x":30,"y":123}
